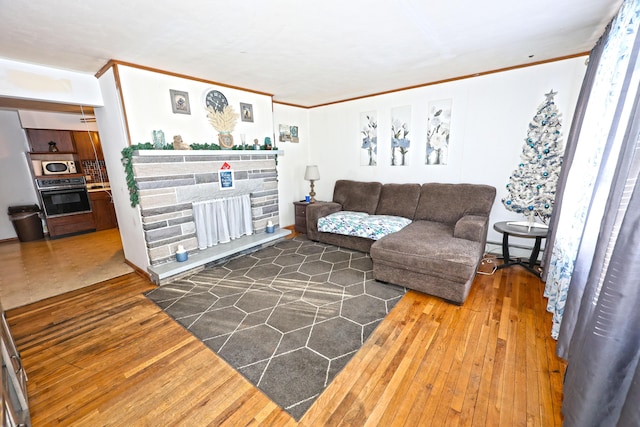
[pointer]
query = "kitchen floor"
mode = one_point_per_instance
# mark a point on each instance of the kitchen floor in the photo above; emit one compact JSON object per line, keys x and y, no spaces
{"x":33,"y":271}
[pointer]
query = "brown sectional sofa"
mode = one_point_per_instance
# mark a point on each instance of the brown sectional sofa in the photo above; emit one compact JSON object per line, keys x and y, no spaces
{"x":438,"y":253}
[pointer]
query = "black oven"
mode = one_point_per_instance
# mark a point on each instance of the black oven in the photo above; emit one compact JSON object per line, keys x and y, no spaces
{"x":64,"y":196}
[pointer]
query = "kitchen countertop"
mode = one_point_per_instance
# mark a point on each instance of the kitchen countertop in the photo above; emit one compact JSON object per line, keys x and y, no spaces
{"x":98,"y":186}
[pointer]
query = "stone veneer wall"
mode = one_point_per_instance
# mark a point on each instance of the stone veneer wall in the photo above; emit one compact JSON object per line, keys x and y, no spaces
{"x":169,"y":182}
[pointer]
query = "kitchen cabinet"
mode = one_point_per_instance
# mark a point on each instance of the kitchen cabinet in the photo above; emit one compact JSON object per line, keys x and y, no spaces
{"x":104,"y":213}
{"x":70,"y":224}
{"x":39,"y":140}
{"x":85,"y":142}
{"x":14,"y":404}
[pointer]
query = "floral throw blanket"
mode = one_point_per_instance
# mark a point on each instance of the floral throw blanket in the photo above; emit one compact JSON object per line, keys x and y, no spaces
{"x":361,"y":224}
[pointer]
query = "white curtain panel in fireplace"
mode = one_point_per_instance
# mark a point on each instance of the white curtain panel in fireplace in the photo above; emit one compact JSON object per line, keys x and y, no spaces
{"x":222,"y":220}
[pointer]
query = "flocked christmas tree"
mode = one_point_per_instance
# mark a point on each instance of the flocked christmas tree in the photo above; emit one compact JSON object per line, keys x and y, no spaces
{"x":532,"y":186}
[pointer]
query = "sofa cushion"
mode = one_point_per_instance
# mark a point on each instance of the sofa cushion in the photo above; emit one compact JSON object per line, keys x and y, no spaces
{"x":472,"y":227}
{"x":378,"y":226}
{"x":429,"y":248}
{"x":398,"y":200}
{"x":447,"y":203}
{"x":357,"y":196}
{"x":361,"y":224}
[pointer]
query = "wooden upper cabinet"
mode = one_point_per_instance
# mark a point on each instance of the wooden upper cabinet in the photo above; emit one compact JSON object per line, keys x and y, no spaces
{"x":39,"y":140}
{"x":84,"y":146}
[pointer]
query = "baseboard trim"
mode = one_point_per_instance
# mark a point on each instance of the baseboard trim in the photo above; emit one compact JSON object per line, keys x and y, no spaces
{"x":137,"y":270}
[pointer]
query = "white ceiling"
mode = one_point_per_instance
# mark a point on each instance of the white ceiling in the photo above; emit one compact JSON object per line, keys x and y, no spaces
{"x":303,"y":52}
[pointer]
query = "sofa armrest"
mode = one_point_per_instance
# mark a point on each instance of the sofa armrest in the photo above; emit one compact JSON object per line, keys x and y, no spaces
{"x":318,"y":210}
{"x":472,"y":227}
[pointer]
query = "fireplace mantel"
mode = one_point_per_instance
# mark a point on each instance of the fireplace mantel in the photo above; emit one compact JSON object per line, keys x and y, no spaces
{"x":221,"y":153}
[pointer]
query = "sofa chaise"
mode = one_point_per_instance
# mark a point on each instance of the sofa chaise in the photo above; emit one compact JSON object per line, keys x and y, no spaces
{"x":429,"y":237}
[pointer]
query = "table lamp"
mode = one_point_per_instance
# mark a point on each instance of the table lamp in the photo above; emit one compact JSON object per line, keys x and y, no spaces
{"x":312,"y":174}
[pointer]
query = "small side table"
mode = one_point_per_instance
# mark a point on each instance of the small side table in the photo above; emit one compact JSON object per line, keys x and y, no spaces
{"x":300,"y":217}
{"x":520,"y":231}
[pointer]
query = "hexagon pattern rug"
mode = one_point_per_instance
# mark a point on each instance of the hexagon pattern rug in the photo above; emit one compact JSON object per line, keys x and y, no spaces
{"x":288,"y":317}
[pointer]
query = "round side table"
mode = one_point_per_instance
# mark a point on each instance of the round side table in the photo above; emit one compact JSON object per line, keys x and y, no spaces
{"x":507,"y":228}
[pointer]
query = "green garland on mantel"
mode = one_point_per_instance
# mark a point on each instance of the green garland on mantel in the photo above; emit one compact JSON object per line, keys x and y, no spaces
{"x":127,"y":155}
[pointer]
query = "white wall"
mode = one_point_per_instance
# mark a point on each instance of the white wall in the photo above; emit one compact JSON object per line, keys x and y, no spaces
{"x":291,"y":184}
{"x":490,"y":117}
{"x":113,"y":137}
{"x":148,"y":108}
{"x":16,"y":186}
{"x":38,"y":83}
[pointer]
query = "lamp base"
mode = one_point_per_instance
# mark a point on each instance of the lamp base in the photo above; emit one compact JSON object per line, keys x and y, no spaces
{"x":312,"y":193}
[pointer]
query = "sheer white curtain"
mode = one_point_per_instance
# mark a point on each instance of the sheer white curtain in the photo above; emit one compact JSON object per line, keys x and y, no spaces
{"x":222,"y":220}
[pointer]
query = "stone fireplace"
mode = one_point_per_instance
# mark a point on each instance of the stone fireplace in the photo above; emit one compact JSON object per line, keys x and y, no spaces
{"x":170,"y":181}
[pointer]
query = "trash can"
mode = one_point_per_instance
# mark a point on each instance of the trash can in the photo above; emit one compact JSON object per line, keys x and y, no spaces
{"x":26,"y":221}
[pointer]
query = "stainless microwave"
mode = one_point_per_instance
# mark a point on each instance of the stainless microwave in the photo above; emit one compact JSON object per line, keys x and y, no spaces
{"x":58,"y":167}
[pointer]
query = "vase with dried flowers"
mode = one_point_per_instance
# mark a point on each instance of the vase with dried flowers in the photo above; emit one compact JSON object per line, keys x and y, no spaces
{"x":224,"y":122}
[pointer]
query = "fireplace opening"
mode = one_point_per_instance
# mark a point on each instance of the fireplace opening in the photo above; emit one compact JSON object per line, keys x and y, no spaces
{"x":222,"y":220}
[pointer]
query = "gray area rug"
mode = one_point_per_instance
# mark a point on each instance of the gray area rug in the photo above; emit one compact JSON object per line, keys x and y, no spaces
{"x":288,"y":317}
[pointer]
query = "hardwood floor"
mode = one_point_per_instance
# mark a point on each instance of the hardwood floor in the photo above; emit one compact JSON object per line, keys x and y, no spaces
{"x":105,"y":355}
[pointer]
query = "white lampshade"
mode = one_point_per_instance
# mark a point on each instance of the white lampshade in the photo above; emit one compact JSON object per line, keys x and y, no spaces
{"x":312,"y":173}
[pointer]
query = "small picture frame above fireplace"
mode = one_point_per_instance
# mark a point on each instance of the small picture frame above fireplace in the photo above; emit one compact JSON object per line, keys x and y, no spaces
{"x":180,"y":102}
{"x":246,"y":112}
{"x":225,"y":178}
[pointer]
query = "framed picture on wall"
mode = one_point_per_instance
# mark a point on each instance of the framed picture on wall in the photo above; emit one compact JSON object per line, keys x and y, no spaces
{"x":285,"y":133}
{"x":226,"y":179}
{"x":246,"y":112}
{"x":438,"y":129}
{"x":400,"y":141}
{"x":179,"y":102}
{"x":368,"y":141}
